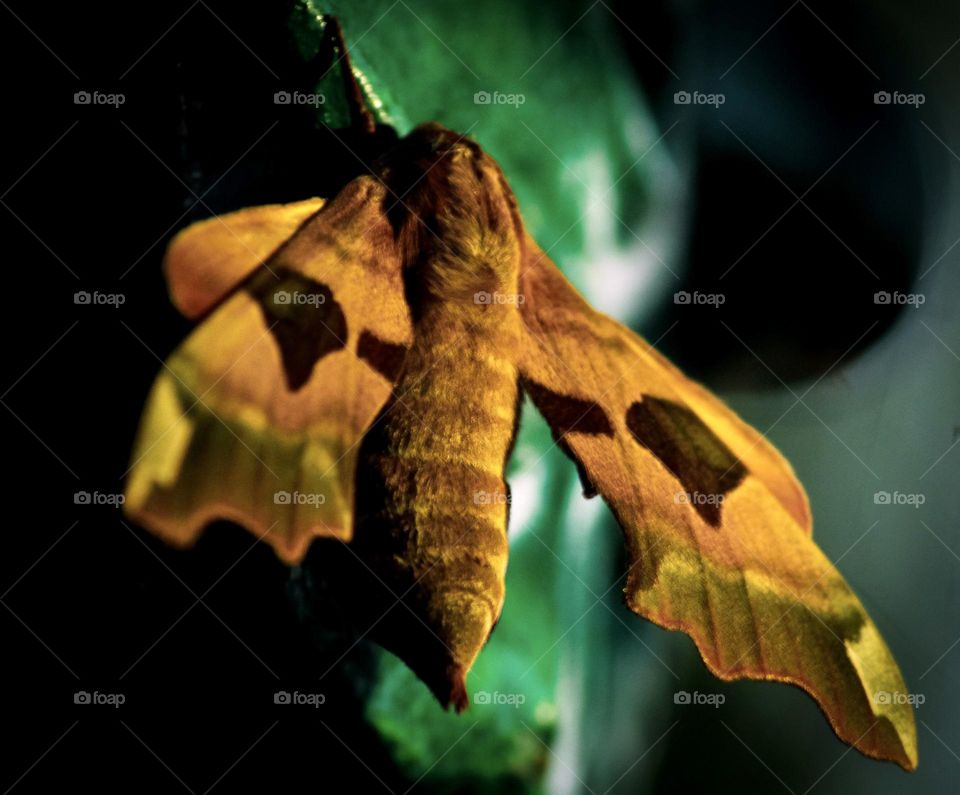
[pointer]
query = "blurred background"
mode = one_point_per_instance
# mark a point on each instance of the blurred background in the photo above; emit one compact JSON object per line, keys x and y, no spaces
{"x":767,"y":192}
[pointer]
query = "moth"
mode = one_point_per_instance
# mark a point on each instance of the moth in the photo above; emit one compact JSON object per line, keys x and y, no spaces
{"x":356,"y":374}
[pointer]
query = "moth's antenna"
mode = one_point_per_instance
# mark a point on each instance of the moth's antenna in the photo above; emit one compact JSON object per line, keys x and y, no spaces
{"x":360,"y":116}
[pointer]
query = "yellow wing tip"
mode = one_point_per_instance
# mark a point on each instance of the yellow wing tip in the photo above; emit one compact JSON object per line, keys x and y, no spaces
{"x":904,"y":752}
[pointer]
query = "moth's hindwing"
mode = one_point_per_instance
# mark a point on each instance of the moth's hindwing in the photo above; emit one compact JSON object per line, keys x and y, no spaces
{"x":210,"y":258}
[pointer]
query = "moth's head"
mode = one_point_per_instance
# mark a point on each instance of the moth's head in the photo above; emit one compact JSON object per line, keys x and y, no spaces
{"x":455,"y":217}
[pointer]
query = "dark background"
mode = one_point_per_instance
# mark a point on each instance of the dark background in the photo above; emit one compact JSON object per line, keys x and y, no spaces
{"x":92,"y":195}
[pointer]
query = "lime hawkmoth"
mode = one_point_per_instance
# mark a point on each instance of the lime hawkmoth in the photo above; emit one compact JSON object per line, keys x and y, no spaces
{"x":356,"y":373}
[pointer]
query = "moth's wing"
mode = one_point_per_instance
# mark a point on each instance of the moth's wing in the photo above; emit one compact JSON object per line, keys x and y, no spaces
{"x":258,"y":415}
{"x":209,"y":258}
{"x":717,"y":526}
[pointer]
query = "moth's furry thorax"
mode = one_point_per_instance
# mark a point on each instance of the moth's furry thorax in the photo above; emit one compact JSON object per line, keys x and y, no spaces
{"x":454,"y":216}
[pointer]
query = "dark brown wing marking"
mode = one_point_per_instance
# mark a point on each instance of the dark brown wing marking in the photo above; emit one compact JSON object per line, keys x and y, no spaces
{"x":701,"y":462}
{"x":384,"y":357}
{"x":567,"y":414}
{"x":304,"y":319}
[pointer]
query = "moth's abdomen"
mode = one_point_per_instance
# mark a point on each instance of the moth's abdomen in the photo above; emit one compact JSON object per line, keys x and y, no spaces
{"x":432,"y":503}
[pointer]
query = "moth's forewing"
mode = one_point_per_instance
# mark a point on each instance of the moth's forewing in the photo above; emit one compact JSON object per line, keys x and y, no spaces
{"x":257,"y":417}
{"x":716,"y":524}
